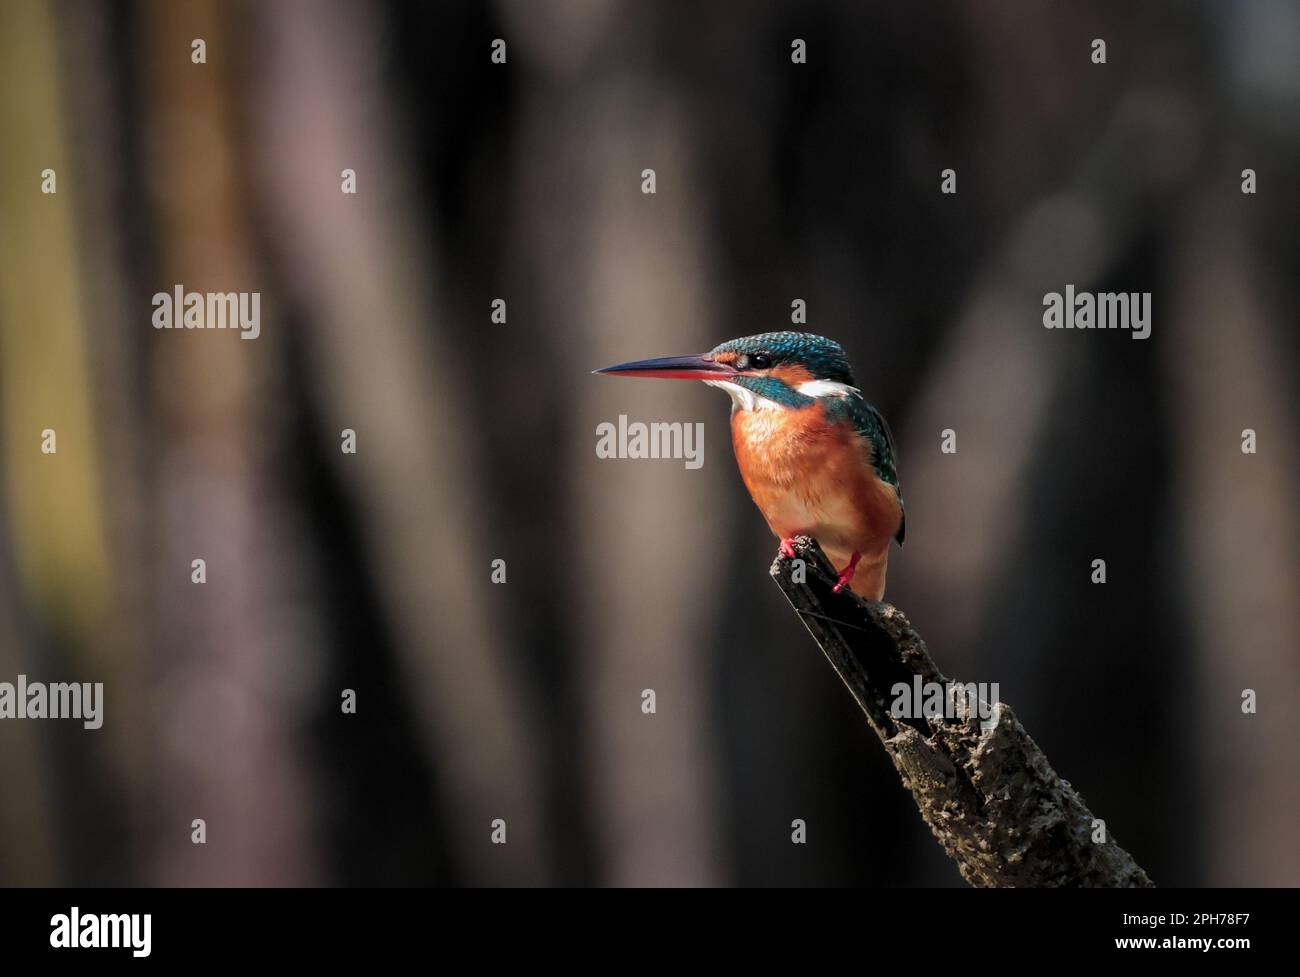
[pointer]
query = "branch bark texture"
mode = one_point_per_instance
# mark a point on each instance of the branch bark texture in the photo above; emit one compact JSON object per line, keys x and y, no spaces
{"x":985,"y":789}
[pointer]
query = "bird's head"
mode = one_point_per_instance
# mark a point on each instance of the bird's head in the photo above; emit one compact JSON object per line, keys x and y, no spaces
{"x":788,"y":369}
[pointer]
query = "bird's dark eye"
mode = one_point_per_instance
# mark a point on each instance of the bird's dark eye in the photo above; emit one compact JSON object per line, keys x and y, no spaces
{"x":760,"y":361}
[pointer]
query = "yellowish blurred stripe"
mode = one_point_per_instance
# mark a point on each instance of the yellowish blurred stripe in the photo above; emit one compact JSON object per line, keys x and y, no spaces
{"x":54,"y":500}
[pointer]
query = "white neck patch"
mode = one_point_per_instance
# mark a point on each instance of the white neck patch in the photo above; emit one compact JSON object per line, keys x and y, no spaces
{"x":827,"y":388}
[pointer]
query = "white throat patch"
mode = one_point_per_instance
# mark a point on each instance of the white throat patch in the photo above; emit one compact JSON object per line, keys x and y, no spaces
{"x":742,"y":398}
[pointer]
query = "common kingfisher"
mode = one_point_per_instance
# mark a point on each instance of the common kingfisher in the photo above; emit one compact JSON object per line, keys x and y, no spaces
{"x":817,"y":459}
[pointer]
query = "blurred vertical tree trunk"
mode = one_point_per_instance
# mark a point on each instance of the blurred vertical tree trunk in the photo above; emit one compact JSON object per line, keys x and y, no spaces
{"x":1238,"y":517}
{"x":238,"y":674}
{"x":972,"y":500}
{"x":109,"y":228}
{"x":630,"y":274}
{"x":359,"y":266}
{"x":53,"y":520}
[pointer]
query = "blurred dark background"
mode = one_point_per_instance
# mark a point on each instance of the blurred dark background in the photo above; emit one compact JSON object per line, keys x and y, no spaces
{"x":476,"y":440}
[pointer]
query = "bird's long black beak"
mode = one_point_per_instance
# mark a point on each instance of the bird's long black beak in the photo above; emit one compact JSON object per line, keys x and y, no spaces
{"x":702,"y":367}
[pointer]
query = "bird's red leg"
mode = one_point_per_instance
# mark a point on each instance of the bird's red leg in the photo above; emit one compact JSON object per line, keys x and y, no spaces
{"x":846,"y":575}
{"x":787,"y":548}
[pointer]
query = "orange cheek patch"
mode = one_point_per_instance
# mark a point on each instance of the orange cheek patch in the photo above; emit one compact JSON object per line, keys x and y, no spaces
{"x":791,"y":374}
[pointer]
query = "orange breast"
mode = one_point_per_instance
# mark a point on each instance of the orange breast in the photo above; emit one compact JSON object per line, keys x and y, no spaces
{"x":811,"y":477}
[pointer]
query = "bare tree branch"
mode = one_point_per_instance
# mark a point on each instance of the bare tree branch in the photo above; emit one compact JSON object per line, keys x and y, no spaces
{"x":985,"y":789}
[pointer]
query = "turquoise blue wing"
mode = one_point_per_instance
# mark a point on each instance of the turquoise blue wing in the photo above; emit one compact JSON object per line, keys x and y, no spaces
{"x":871,"y":426}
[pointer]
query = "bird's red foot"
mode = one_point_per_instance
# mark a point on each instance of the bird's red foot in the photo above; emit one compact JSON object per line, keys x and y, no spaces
{"x":787,"y":548}
{"x":846,"y":575}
